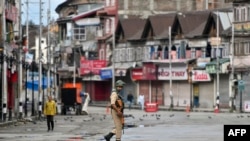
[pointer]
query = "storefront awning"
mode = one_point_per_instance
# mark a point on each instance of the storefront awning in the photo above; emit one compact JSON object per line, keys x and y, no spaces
{"x":223,"y":66}
{"x":167,"y":61}
{"x":121,"y":68}
{"x":240,"y":64}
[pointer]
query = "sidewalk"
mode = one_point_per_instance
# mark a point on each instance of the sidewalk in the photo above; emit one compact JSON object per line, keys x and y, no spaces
{"x":14,"y":121}
{"x":166,"y":108}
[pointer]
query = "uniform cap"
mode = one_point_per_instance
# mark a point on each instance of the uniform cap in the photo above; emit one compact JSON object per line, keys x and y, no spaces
{"x":119,"y":83}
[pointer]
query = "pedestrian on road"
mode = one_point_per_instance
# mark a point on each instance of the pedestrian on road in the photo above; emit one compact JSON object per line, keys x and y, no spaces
{"x":117,"y":106}
{"x":49,"y":112}
{"x":130,"y":99}
{"x":141,"y":101}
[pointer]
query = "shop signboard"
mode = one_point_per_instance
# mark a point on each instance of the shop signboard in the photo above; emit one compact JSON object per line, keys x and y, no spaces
{"x":91,"y":66}
{"x":149,"y":71}
{"x":106,"y":73}
{"x":247,"y":106}
{"x":178,"y":73}
{"x":200,"y":76}
{"x":136,"y":74}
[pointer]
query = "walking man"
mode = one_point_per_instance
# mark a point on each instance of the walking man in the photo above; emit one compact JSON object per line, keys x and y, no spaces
{"x":141,"y":101}
{"x":49,"y":112}
{"x":117,"y":106}
{"x":130,"y":99}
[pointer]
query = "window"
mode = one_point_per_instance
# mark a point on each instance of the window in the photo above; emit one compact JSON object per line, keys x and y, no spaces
{"x":110,"y":2}
{"x":123,"y":54}
{"x":248,"y":13}
{"x":130,"y":55}
{"x":242,"y":13}
{"x":152,"y":52}
{"x":146,"y":53}
{"x":139,"y":54}
{"x":236,"y":47}
{"x":102,"y":54}
{"x":217,"y":52}
{"x":93,"y":55}
{"x":225,"y":51}
{"x":182,"y":50}
{"x":108,"y":26}
{"x":193,"y":53}
{"x":116,"y":55}
{"x":247,"y":48}
{"x":239,"y":48}
{"x":79,"y":33}
{"x":203,"y":52}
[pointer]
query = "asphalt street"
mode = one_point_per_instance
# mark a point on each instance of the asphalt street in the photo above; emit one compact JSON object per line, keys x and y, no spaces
{"x":140,"y":126}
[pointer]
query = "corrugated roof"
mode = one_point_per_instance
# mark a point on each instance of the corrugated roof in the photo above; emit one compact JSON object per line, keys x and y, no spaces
{"x":194,"y":23}
{"x":133,"y":28}
{"x":160,"y":24}
{"x":221,"y":61}
{"x":86,"y":14}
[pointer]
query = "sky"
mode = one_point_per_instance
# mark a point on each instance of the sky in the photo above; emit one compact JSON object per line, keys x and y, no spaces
{"x":34,"y":7}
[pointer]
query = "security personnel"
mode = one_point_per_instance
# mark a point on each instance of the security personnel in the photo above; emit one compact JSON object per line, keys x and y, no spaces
{"x":117,"y":106}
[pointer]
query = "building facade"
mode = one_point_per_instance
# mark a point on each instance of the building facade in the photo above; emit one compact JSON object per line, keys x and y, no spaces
{"x":146,"y":47}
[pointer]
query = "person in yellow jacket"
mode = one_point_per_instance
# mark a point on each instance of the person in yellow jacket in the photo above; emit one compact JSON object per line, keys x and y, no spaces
{"x":49,"y":112}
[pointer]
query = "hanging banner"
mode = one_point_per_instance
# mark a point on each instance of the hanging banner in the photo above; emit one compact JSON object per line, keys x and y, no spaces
{"x":91,"y":66}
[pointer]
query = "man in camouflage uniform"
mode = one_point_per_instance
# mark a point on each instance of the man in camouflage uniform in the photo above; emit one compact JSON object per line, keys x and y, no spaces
{"x":117,"y":106}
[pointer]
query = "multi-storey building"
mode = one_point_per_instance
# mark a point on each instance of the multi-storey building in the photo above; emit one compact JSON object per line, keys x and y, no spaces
{"x":143,"y":42}
{"x":9,"y":30}
{"x":240,"y":65}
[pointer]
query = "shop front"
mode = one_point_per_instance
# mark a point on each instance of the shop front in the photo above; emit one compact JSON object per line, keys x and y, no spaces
{"x":220,"y":83}
{"x":92,"y":79}
{"x":202,"y":89}
{"x":175,"y":79}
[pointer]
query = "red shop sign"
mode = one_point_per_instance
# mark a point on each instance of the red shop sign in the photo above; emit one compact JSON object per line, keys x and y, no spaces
{"x":91,"y":66}
{"x":136,"y":74}
{"x":149,"y":71}
{"x":200,"y":75}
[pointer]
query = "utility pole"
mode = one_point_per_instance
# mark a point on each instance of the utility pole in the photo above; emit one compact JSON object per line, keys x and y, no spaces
{"x":232,"y":90}
{"x":170,"y":69}
{"x":55,"y":77}
{"x":40,"y":63}
{"x":20,"y":68}
{"x":48,"y":52}
{"x":113,"y":55}
{"x":206,"y":4}
{"x":4,"y":72}
{"x":217,"y":67}
{"x":32,"y":67}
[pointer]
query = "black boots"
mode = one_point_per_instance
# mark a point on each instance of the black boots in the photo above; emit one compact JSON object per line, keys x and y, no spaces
{"x":109,"y":136}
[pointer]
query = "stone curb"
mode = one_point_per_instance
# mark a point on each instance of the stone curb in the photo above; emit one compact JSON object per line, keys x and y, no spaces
{"x":13,"y":122}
